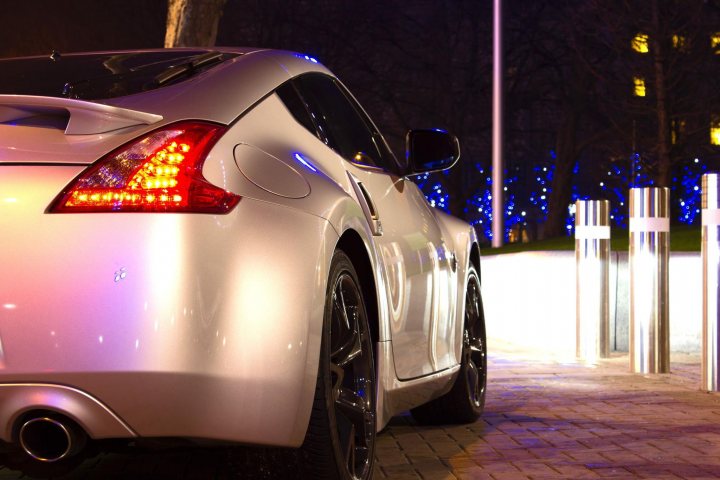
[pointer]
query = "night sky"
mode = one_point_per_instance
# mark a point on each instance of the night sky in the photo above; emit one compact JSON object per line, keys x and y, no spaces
{"x":574,"y":126}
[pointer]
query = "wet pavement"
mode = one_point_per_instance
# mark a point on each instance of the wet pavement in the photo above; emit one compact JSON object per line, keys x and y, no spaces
{"x":545,"y":418}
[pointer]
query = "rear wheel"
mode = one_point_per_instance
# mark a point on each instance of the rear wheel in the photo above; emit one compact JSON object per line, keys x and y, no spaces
{"x":466,"y":400}
{"x":340,"y":440}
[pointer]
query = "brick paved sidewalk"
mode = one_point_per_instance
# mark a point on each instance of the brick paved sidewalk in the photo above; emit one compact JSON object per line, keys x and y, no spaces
{"x":546,"y":418}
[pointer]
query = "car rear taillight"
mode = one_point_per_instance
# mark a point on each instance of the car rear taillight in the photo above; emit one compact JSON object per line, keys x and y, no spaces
{"x":159,"y":172}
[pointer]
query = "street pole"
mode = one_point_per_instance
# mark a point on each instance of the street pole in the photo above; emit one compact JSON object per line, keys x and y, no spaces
{"x":498,"y":208}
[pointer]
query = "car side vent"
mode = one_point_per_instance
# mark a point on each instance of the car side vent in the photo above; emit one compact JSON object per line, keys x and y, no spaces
{"x":370,"y":204}
{"x":367,"y":205}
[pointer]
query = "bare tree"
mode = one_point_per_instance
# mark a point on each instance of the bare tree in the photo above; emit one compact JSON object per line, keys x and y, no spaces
{"x":665,"y":48}
{"x":193,"y":23}
{"x":579,"y":63}
{"x":552,"y":100}
{"x":411,"y":64}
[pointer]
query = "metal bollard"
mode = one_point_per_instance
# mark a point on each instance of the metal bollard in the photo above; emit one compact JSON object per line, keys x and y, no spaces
{"x":711,"y":282}
{"x":649,"y":258}
{"x":592,"y":279}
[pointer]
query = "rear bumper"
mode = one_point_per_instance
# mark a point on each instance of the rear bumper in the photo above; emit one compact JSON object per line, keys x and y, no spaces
{"x":92,"y":415}
{"x":131,"y":404}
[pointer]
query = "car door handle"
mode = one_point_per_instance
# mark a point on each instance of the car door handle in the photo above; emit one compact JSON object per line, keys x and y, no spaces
{"x":367,"y":205}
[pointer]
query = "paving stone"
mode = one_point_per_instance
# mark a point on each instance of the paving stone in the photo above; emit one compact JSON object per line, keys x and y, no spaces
{"x":544,"y":419}
{"x":401,"y":472}
{"x":473,"y":473}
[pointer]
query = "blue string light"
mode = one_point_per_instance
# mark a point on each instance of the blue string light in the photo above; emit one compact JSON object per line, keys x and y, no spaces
{"x":434,"y":191}
{"x":530,"y":204}
{"x":687,"y":191}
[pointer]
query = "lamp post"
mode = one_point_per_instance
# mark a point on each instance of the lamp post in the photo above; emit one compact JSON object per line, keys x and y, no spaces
{"x":498,"y":210}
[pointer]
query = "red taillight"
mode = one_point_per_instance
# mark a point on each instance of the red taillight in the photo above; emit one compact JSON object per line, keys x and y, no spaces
{"x":160,"y":172}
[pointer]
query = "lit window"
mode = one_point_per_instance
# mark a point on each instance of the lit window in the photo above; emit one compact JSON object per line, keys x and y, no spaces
{"x":639,"y":43}
{"x":673,"y":133}
{"x":715,"y":130}
{"x":639,"y":83}
{"x":678,"y":42}
{"x":677,"y":129}
{"x":715,"y":42}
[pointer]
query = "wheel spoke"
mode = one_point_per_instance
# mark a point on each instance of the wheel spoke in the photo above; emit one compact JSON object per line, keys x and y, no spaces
{"x":355,"y":409}
{"x":472,"y":306}
{"x":476,"y":346}
{"x":350,"y":451}
{"x":352,"y":406}
{"x":339,"y":306}
{"x":472,"y":376}
{"x":348,"y":352}
{"x":339,"y":375}
{"x":346,"y":342}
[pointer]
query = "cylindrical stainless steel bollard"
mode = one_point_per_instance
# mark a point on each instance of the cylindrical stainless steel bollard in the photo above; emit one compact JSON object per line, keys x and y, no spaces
{"x":649,"y":258}
{"x":711,"y":282}
{"x":592,"y":279}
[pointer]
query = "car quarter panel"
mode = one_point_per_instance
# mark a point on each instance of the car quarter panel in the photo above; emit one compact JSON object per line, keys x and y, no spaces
{"x":183,"y":325}
{"x":269,"y":133}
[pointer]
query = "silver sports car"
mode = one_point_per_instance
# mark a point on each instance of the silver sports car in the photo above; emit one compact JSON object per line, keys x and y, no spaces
{"x":219,"y":246}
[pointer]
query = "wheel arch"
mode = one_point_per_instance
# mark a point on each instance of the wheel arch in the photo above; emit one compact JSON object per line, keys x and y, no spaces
{"x":475,"y":259}
{"x":352,"y":244}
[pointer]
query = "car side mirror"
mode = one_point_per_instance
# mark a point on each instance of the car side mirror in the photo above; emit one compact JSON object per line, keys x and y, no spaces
{"x":431,"y":150}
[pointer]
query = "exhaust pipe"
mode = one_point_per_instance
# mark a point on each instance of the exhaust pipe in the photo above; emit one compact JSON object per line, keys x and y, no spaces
{"x":50,"y":438}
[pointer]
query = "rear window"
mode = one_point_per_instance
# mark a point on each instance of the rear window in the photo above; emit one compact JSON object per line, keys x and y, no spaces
{"x":101,"y":76}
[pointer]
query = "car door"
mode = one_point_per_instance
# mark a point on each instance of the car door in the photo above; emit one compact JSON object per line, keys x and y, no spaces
{"x":417,"y":263}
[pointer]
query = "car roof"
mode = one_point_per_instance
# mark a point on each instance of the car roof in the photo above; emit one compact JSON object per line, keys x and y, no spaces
{"x":219,"y":93}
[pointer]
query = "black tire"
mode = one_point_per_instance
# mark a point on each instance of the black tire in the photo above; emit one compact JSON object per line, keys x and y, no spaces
{"x":465,"y":402}
{"x":340,"y":441}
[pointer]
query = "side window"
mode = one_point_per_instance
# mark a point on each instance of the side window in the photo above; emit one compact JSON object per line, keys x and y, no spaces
{"x":338,"y":120}
{"x":290,"y":97}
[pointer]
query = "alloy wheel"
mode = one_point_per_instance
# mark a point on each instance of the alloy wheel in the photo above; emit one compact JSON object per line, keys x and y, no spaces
{"x":474,"y":350}
{"x":352,"y":377}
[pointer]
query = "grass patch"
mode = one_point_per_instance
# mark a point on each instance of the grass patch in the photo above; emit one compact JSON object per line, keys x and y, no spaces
{"x":686,"y":238}
{"x":683,"y":238}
